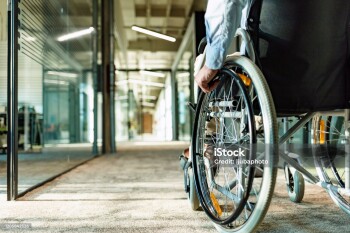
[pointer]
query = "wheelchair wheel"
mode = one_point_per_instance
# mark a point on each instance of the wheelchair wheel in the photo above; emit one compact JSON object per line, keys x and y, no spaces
{"x":236,"y":195}
{"x":295,"y":184}
{"x":329,"y":155}
{"x":192,"y":194}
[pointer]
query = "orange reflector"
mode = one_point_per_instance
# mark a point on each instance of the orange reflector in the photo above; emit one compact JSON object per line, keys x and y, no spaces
{"x":247,"y":81}
{"x":215,"y":204}
{"x":322,"y":132}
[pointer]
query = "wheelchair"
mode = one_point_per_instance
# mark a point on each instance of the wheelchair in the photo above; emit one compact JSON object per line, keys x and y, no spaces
{"x":297,"y":63}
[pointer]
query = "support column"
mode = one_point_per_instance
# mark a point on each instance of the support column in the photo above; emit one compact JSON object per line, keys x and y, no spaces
{"x":108,"y":138}
{"x":174,"y":107}
{"x":112,"y":75}
{"x":12,"y":101}
{"x":95,"y":71}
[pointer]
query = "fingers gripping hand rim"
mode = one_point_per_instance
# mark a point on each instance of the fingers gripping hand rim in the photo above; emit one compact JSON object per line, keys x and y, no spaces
{"x":204,"y":78}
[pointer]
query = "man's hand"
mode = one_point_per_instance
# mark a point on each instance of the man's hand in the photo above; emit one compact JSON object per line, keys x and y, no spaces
{"x":204,"y":76}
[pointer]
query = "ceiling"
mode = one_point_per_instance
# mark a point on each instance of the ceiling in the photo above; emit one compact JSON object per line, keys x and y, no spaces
{"x":143,"y":52}
{"x":169,"y":17}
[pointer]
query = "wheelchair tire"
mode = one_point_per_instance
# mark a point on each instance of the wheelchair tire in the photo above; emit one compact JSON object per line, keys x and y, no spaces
{"x":326,"y":151}
{"x":192,"y":194}
{"x":253,"y":99}
{"x":295,"y":184}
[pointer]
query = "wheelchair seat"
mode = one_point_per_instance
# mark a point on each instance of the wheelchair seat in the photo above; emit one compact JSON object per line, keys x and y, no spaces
{"x":303,"y":49}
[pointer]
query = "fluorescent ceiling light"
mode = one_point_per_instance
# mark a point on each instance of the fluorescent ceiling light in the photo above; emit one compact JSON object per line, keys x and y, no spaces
{"x":146,"y":83}
{"x":144,"y":97}
{"x":56,"y":82}
{"x":76,"y":34}
{"x":141,"y":82}
{"x":152,"y":73}
{"x":149,"y":97}
{"x":63,"y":74}
{"x":148,"y":104}
{"x":152,"y":33}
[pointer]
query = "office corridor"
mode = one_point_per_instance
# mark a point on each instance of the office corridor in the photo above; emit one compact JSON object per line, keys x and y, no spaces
{"x":141,"y":190}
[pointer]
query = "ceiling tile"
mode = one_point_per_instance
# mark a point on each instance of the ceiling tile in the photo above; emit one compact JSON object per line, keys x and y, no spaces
{"x":156,"y":22}
{"x":176,"y":22}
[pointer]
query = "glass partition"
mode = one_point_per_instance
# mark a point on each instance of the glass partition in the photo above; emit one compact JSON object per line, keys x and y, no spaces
{"x":3,"y":97}
{"x":122,"y":105}
{"x":185,"y":89}
{"x":55,"y":89}
{"x":184,"y":83}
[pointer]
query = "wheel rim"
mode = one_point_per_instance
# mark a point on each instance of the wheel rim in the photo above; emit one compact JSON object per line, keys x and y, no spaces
{"x":224,"y":189}
{"x":262,"y":187}
{"x":329,"y":154}
{"x":242,"y":211}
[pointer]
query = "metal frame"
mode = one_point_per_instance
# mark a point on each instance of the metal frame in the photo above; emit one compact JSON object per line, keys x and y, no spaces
{"x":95,"y":71}
{"x":112,"y":76}
{"x":174,"y":108}
{"x":12,"y":101}
{"x":107,"y":47}
{"x":308,"y":175}
{"x":244,"y":35}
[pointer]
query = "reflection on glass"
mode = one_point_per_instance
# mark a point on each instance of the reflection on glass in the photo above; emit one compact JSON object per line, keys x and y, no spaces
{"x":123,"y":124}
{"x":55,"y":88}
{"x":184,"y":85}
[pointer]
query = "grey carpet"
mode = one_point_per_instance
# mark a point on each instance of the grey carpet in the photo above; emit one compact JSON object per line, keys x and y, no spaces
{"x":140,"y":190}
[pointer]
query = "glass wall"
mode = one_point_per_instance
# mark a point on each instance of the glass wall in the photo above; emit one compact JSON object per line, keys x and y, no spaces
{"x":3,"y":97}
{"x":55,"y":89}
{"x":184,"y":84}
{"x":124,"y":130}
{"x":183,"y":77}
